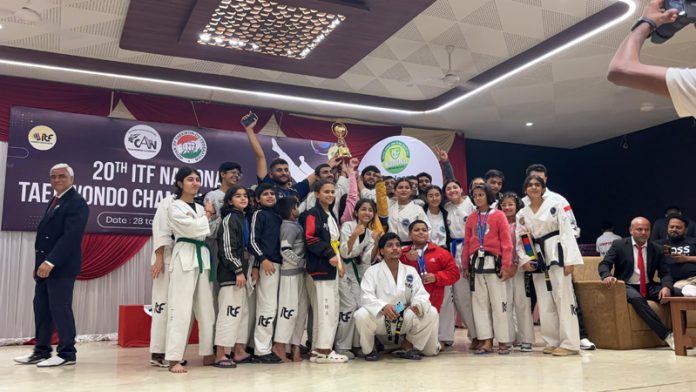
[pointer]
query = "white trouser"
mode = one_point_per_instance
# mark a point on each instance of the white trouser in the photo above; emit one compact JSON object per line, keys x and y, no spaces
{"x":233,"y":317}
{"x":522,"y":325}
{"x":325,"y":313}
{"x":349,"y":292}
{"x":557,"y":314}
{"x":420,"y":331}
{"x":491,"y":309}
{"x":266,"y":308}
{"x":461,"y":297}
{"x":446,"y":328}
{"x":189,"y":291}
{"x":158,"y":326}
{"x":293,"y":305}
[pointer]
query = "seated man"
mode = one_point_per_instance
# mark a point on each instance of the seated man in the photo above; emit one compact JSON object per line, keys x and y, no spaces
{"x":659,"y":229}
{"x":681,"y":251}
{"x":435,"y":265}
{"x":635,"y":261}
{"x":395,"y":304}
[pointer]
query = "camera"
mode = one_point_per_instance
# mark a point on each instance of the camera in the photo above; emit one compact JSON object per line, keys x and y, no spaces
{"x":686,"y":14}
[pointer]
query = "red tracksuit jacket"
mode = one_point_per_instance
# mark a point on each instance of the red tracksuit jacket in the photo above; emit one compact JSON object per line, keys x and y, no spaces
{"x":439,"y":262}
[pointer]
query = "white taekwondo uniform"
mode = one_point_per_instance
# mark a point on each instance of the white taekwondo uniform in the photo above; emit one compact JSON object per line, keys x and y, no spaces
{"x":557,"y":308}
{"x":378,"y":290}
{"x":161,"y":237}
{"x":356,"y":260}
{"x":459,"y":294}
{"x":190,"y":288}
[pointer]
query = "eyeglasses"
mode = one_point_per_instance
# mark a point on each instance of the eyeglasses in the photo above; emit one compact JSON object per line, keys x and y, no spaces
{"x":58,"y":176}
{"x":235,"y":173}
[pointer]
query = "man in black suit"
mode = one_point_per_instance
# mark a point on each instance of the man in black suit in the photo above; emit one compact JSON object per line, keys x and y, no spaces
{"x":635,"y":261}
{"x":58,"y":262}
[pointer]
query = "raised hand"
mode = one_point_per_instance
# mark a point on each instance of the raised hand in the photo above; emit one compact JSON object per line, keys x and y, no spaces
{"x":441,"y":154}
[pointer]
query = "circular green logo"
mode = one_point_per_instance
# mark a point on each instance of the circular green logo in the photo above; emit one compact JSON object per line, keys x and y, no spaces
{"x":395,"y":157}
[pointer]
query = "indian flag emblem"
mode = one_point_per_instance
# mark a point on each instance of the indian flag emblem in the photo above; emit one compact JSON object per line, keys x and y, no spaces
{"x":189,"y":146}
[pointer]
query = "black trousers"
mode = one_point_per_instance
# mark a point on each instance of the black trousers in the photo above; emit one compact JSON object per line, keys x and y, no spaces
{"x":53,"y":309}
{"x":640,"y":304}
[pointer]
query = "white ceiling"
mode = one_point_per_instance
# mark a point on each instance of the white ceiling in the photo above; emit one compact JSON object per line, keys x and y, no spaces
{"x":567,"y":96}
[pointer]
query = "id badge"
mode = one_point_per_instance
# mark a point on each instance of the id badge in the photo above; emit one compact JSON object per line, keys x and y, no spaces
{"x":481,"y":253}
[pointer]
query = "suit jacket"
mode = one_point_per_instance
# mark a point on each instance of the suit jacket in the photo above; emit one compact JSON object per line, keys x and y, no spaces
{"x":59,"y":235}
{"x":620,"y":257}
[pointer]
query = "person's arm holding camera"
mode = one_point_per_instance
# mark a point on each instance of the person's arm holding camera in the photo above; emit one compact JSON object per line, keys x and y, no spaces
{"x":626,"y":69}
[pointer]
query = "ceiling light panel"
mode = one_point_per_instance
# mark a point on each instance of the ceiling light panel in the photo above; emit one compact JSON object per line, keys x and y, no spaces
{"x":268,"y":27}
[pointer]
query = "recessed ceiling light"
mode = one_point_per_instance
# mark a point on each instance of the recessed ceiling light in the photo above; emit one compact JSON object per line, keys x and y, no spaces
{"x":277,"y":29}
{"x":529,"y":124}
{"x":339,"y":104}
{"x":0,"y":27}
{"x":205,"y":37}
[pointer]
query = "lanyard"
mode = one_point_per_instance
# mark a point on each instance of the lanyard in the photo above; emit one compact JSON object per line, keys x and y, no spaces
{"x":482,"y":228}
{"x":421,"y":262}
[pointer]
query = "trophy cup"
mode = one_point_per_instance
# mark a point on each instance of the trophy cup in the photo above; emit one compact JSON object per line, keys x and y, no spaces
{"x":341,"y":148}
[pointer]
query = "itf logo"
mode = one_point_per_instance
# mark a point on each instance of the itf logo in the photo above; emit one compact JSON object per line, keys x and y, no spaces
{"x":42,"y":138}
{"x":189,"y":146}
{"x":142,"y":142}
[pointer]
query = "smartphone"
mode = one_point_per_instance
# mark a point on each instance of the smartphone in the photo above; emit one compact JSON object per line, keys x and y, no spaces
{"x":666,"y":250}
{"x":398,"y":308}
{"x":249,"y":119}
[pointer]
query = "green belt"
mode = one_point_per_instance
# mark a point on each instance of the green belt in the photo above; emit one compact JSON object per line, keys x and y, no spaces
{"x":199,"y":256}
{"x":351,"y":261}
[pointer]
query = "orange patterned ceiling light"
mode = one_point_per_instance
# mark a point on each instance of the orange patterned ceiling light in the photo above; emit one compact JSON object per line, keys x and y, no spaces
{"x":268,"y":27}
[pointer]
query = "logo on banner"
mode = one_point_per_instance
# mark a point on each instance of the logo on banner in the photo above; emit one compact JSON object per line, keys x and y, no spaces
{"x":189,"y":146}
{"x":42,"y":138}
{"x":395,"y":157}
{"x":142,"y":142}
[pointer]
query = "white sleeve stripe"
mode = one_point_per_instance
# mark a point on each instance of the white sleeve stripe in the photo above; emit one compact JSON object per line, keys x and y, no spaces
{"x":227,"y":244}
{"x":252,"y":234}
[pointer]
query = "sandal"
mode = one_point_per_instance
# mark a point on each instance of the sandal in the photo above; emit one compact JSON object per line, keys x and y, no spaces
{"x":503,"y":350}
{"x":483,"y":350}
{"x":332,"y":357}
{"x":475,"y":344}
{"x":408,"y":354}
{"x":225,"y":364}
{"x":248,"y":359}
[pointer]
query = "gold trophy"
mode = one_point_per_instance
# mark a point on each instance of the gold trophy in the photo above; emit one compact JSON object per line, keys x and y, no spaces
{"x":340,"y":149}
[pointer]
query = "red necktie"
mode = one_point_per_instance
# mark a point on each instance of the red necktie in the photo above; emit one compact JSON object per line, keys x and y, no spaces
{"x":53,"y":202}
{"x":641,"y":268}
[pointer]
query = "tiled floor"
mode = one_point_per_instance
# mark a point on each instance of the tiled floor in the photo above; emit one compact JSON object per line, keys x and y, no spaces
{"x":105,"y":367}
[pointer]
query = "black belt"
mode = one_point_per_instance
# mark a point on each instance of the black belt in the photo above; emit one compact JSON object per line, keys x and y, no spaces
{"x":394,"y":335}
{"x":541,"y":265}
{"x":478,"y":268}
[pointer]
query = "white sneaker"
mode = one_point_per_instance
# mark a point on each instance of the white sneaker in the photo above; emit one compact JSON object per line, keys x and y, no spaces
{"x":670,"y":340}
{"x":29,"y":359}
{"x":586,"y":344}
{"x":55,"y":361}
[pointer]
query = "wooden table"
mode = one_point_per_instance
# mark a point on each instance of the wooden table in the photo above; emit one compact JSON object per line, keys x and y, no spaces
{"x":678,"y":307}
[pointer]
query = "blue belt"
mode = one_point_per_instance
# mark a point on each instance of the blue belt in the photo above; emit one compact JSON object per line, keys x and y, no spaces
{"x":453,"y":246}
